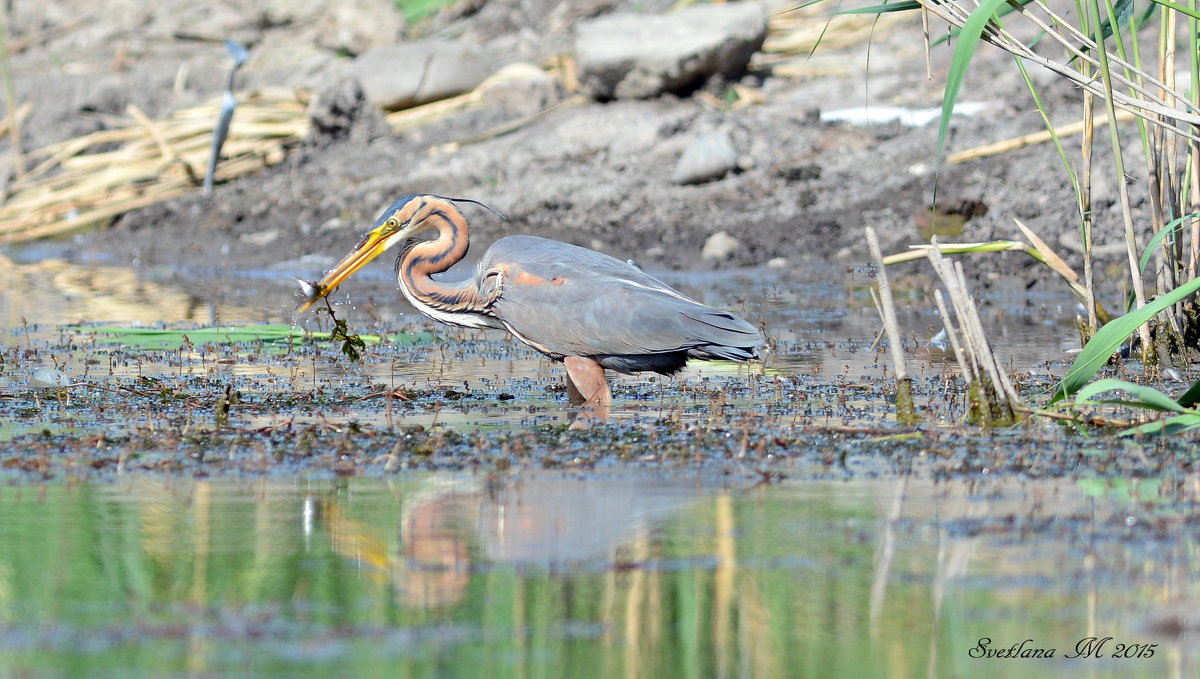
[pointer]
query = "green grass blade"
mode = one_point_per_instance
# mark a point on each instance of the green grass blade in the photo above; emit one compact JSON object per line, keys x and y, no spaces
{"x":1106,"y":340}
{"x":1122,"y":10}
{"x":918,"y":251}
{"x":1178,"y":8}
{"x":902,"y":6}
{"x":1145,"y":397}
{"x":416,"y":10}
{"x":964,"y":50}
{"x":1007,"y":9}
{"x":1171,"y":227}
{"x":1191,"y":397}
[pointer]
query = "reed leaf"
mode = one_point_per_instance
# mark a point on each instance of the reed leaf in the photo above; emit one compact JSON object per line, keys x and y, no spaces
{"x":1110,"y":336}
{"x":1170,"y":227}
{"x":964,"y":50}
{"x":1144,"y":397}
{"x":1190,"y":397}
{"x":902,"y":6}
{"x":1168,"y":427}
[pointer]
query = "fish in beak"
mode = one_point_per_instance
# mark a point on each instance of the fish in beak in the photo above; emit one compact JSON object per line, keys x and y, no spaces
{"x":371,"y":246}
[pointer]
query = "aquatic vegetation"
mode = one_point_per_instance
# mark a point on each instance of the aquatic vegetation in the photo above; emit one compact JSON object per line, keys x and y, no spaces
{"x":1111,"y":336}
{"x":1181,"y":416}
{"x":1097,"y":50}
{"x":271,"y":335}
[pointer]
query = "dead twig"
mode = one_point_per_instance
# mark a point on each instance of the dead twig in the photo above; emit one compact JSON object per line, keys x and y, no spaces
{"x":991,"y":395}
{"x":906,"y":412}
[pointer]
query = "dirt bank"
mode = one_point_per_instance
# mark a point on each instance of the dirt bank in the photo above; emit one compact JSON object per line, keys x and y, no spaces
{"x":595,"y":174}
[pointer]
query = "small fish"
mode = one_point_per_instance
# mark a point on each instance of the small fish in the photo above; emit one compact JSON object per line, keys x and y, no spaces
{"x":311,"y":291}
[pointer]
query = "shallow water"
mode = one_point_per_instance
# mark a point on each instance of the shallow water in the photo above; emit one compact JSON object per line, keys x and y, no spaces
{"x":819,"y":319}
{"x":567,"y":574}
{"x":658,"y":556}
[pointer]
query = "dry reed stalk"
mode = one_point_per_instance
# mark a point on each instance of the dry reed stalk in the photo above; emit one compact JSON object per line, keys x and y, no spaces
{"x":906,"y":412}
{"x":992,"y":397}
{"x":1107,"y":77}
{"x":952,"y":334}
{"x":154,"y":161}
{"x":514,"y":125}
{"x":424,"y":114}
{"x":1035,"y":138}
{"x":22,"y":113}
{"x":1085,"y":213}
{"x":1142,"y":94}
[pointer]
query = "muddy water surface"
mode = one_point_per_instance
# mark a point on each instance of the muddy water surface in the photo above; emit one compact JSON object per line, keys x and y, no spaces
{"x":612,"y":575}
{"x":819,"y":319}
{"x":192,"y":509}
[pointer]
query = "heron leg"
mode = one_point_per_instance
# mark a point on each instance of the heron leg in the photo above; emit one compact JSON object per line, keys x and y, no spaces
{"x":587,"y":386}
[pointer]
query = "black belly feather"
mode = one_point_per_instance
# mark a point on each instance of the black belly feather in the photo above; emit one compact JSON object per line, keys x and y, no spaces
{"x":667,"y":363}
{"x":671,"y":362}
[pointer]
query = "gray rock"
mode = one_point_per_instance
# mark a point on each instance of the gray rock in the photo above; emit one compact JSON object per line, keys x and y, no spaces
{"x":521,"y":89}
{"x":341,"y":109}
{"x":719,"y":246}
{"x":409,"y":74}
{"x":639,"y":56}
{"x":356,"y":26}
{"x":709,"y":156}
{"x":260,"y":238}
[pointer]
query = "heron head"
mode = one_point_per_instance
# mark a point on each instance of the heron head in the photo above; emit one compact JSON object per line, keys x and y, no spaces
{"x":401,"y":220}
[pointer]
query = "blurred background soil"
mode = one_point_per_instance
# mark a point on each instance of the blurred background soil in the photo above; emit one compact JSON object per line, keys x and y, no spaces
{"x":594,"y":173}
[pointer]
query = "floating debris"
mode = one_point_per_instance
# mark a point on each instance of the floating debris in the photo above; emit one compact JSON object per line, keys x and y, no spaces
{"x":49,"y":378}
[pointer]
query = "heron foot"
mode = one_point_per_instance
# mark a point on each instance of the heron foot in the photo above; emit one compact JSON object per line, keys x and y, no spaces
{"x":586,"y":382}
{"x":587,"y":386}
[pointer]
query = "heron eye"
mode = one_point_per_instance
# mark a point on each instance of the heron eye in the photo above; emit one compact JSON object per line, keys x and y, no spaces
{"x":392,"y":223}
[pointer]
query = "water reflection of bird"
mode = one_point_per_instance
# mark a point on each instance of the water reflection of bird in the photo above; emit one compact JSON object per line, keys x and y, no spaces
{"x":575,"y":305}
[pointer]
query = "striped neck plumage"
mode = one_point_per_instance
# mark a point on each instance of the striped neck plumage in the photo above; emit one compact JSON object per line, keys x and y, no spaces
{"x":456,"y":304}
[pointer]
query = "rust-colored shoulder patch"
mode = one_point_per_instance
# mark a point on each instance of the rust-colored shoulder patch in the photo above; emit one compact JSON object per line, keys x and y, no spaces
{"x":525,"y":278}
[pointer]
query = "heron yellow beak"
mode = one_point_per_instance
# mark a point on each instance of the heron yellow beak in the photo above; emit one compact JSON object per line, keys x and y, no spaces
{"x":372,"y":245}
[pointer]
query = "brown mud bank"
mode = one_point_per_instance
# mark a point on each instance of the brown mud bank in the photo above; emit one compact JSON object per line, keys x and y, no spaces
{"x":600,"y":174}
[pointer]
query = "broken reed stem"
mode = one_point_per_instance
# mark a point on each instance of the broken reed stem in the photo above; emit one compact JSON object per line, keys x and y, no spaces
{"x":952,"y":336}
{"x":992,"y":397}
{"x":1085,"y":211}
{"x":1131,"y":245}
{"x":906,"y":412}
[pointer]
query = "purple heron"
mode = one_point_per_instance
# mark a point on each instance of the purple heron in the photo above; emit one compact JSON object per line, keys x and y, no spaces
{"x":575,"y":305}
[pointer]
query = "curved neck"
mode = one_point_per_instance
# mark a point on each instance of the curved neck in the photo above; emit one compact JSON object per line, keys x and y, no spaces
{"x":422,"y":259}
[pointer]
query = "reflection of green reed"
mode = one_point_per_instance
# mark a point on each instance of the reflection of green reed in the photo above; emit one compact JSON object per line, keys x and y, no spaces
{"x":323,"y":578}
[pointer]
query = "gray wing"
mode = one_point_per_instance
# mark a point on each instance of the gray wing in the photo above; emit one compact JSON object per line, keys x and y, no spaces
{"x":570,"y":301}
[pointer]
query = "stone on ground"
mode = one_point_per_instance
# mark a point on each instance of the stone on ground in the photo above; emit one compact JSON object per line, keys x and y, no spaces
{"x":410,"y":74}
{"x":709,"y":156}
{"x":636,"y":56}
